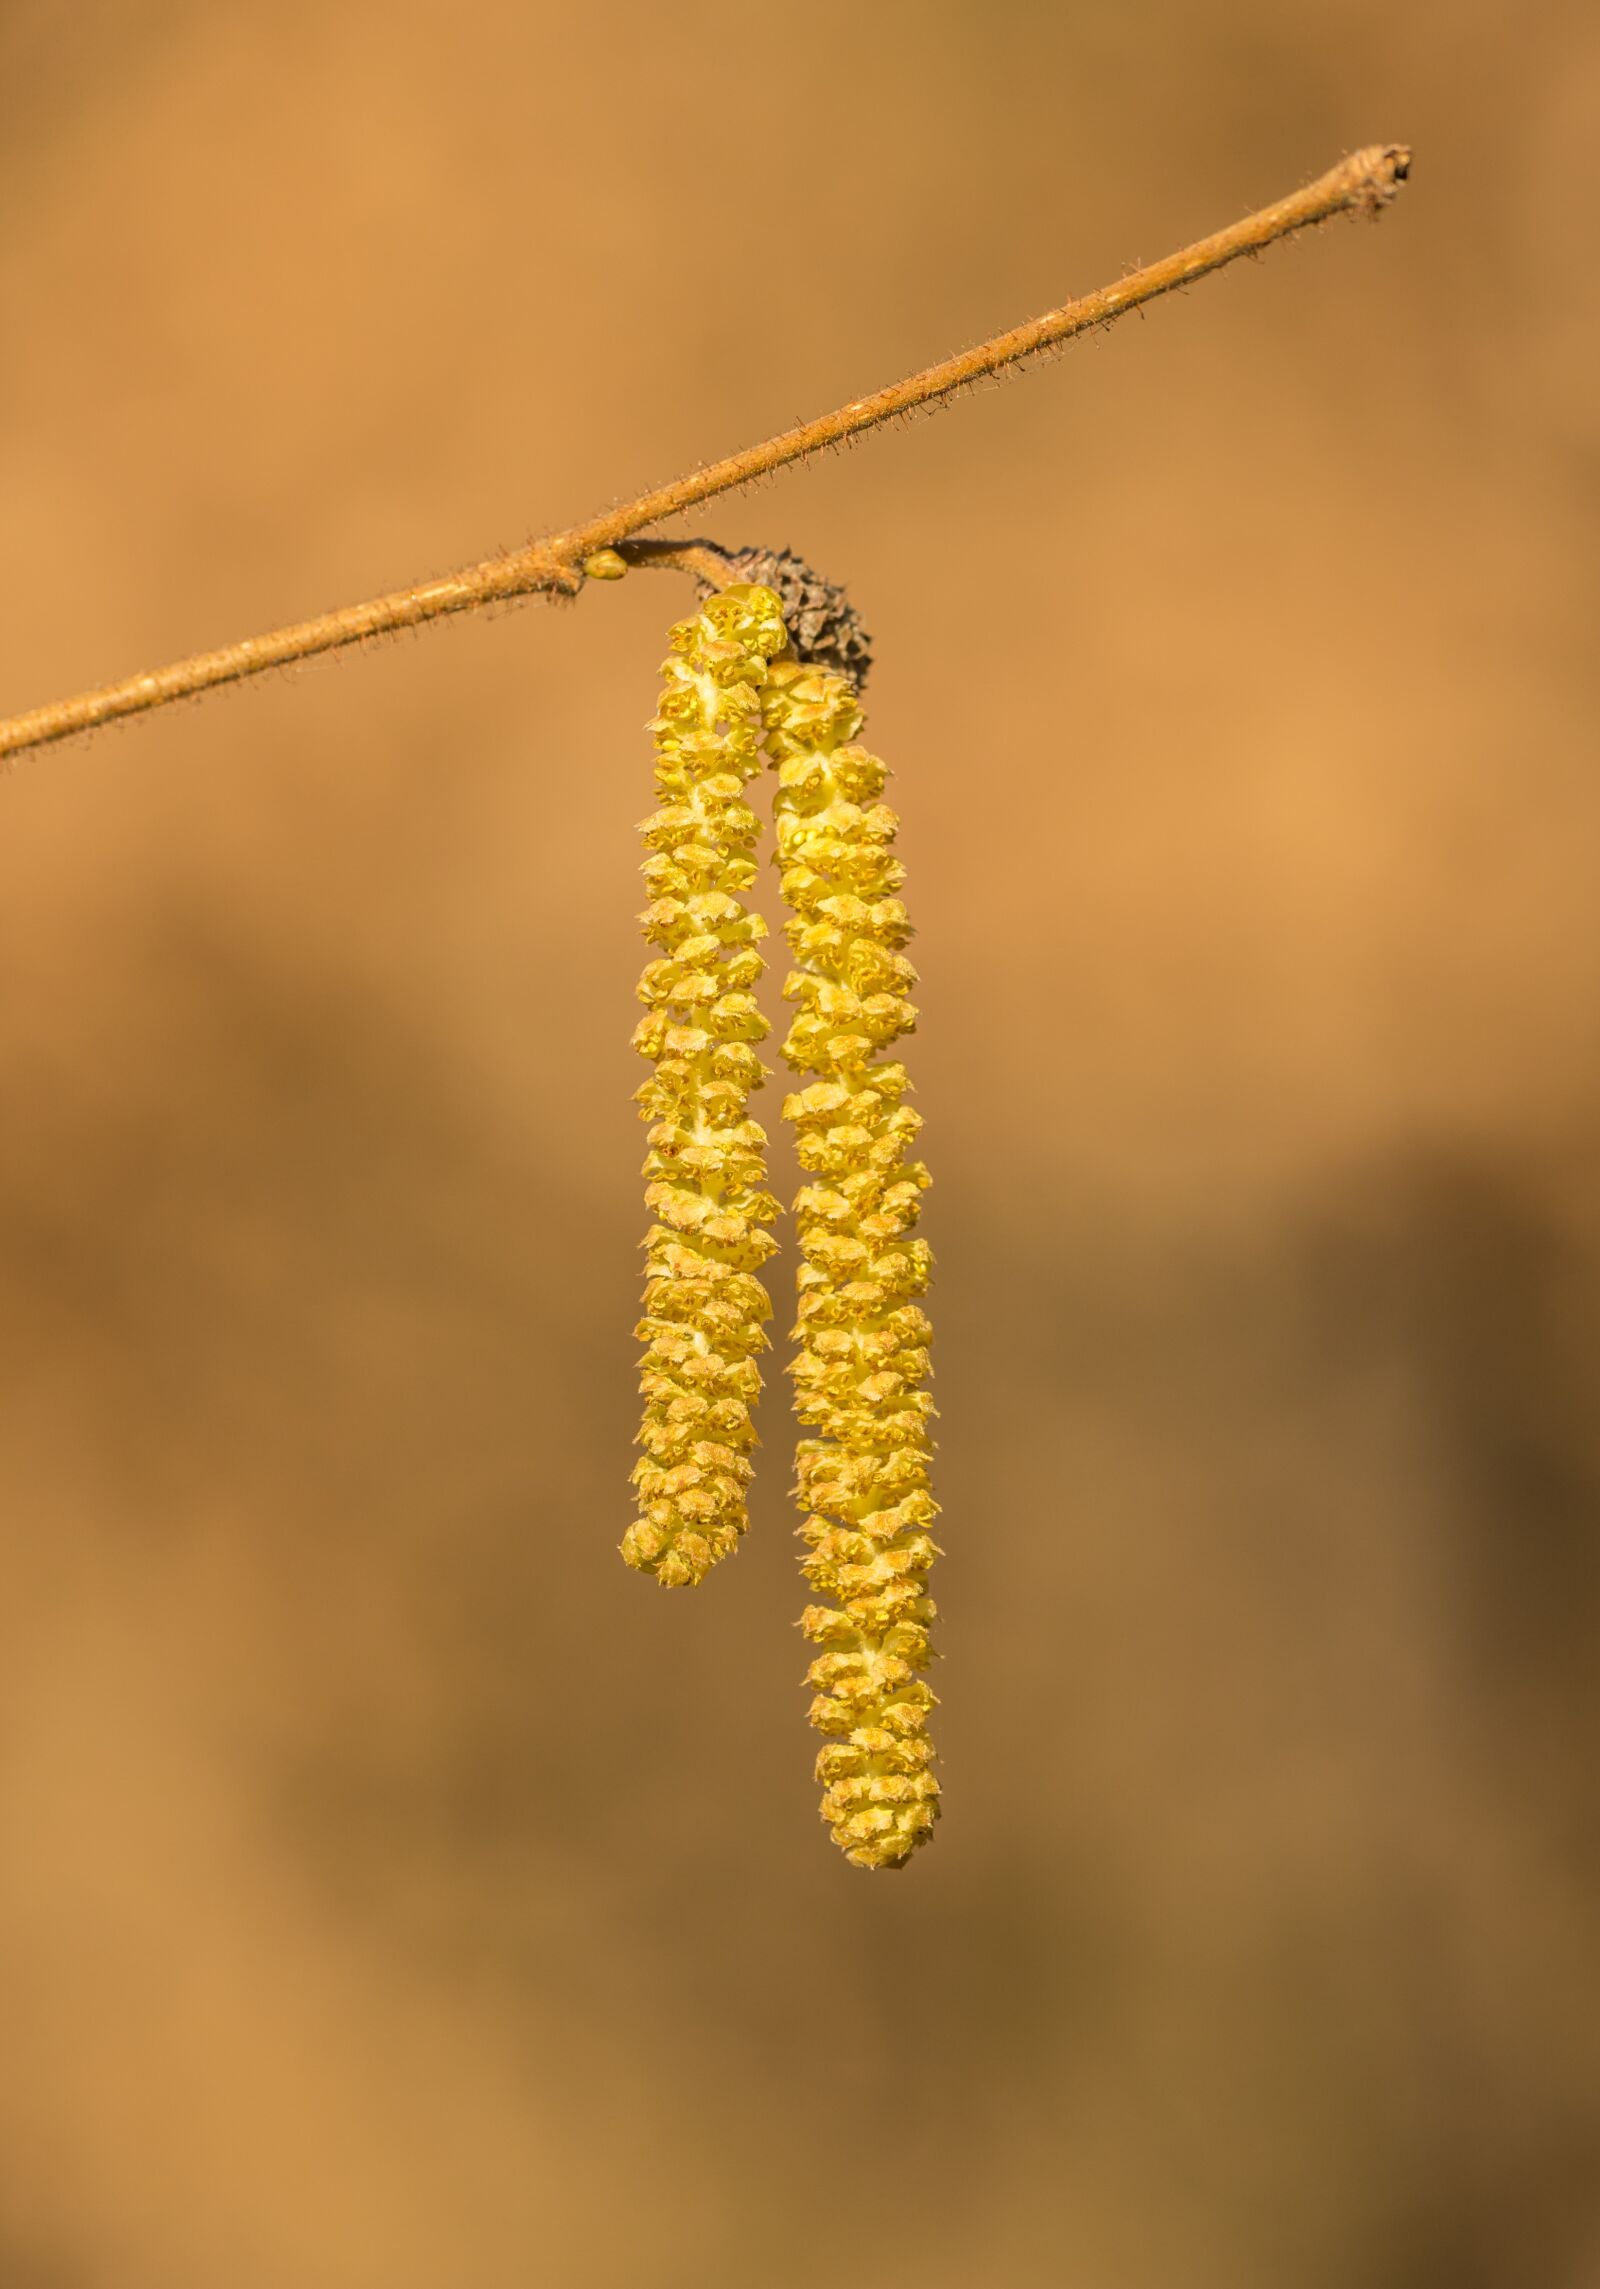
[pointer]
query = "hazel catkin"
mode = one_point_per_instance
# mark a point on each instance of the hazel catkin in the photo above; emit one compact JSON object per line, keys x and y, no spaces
{"x":863,"y":1474}
{"x":704,"y":1305}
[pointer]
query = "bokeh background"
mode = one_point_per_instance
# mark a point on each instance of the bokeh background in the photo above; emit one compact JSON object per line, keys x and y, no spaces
{"x":394,"y":1892}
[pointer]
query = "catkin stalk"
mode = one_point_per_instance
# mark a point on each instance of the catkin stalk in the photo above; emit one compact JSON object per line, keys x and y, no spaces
{"x":863,"y":1476}
{"x":704,"y":1305}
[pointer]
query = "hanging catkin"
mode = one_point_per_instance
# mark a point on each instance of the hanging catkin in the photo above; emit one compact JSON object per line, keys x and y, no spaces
{"x":862,"y":1478}
{"x":704,"y":1305}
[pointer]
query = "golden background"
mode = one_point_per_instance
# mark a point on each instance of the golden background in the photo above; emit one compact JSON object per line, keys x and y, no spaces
{"x":395,"y":1893}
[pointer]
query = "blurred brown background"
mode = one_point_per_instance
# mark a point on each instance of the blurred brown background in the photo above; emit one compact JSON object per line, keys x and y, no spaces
{"x":396,"y":1894}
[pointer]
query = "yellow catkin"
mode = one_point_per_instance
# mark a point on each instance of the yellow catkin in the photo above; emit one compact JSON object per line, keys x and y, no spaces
{"x":863,"y":1476}
{"x":704,"y":1305}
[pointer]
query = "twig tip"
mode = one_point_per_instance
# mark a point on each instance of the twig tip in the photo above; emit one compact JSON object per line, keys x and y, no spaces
{"x":1380,"y":170}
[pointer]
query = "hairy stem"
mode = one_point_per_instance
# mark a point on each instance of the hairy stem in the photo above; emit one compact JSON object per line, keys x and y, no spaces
{"x":1363,"y":183}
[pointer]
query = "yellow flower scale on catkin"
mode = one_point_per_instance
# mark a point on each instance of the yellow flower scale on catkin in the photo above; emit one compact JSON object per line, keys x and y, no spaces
{"x":863,"y":1476}
{"x":704,"y":1305}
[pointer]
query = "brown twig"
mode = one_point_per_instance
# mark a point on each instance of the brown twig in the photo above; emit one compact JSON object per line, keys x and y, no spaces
{"x":1365,"y":182}
{"x":703,"y":558}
